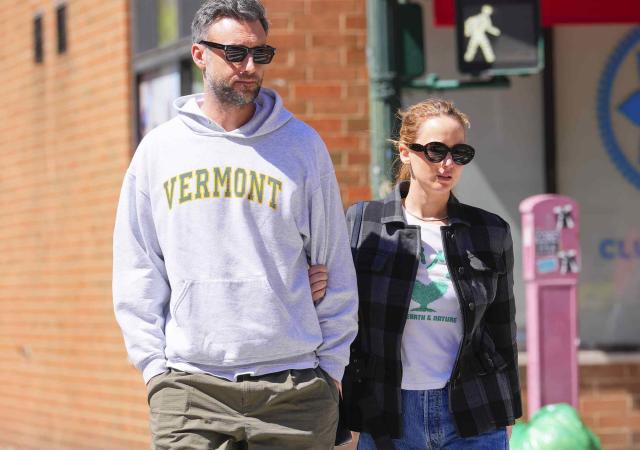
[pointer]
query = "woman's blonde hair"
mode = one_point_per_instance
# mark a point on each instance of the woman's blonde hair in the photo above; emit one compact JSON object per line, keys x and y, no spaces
{"x":414,"y":116}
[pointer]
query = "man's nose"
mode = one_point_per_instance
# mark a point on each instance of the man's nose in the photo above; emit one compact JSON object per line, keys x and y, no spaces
{"x":448,"y":160}
{"x":248,"y":63}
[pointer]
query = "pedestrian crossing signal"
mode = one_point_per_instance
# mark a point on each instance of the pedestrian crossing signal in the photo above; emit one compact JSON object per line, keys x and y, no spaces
{"x":498,"y":37}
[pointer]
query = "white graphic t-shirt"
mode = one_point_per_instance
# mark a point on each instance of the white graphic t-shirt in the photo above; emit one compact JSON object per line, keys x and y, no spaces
{"x":433,"y":330}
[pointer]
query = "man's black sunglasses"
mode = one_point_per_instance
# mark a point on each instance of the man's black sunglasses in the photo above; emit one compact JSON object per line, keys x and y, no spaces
{"x":262,"y":54}
{"x":437,"y":151}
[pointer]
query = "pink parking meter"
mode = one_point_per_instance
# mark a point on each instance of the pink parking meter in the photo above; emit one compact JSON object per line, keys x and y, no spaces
{"x":551,"y":263}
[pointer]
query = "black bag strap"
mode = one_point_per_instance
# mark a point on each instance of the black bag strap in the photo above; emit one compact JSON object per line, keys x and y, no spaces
{"x":355,"y":232}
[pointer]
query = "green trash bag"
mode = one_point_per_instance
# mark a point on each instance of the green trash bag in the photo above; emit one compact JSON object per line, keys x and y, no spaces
{"x":553,"y":427}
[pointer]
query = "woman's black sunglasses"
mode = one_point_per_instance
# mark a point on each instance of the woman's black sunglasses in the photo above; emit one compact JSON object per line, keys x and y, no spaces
{"x":262,"y":54}
{"x":436,"y":152}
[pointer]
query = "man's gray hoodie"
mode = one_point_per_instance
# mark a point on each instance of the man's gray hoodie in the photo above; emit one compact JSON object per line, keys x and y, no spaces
{"x":214,"y":234}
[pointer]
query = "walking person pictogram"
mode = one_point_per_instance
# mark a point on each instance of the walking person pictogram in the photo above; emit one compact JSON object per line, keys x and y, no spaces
{"x":476,"y":29}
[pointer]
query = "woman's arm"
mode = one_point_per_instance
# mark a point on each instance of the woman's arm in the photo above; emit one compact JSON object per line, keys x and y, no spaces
{"x":500,"y":320}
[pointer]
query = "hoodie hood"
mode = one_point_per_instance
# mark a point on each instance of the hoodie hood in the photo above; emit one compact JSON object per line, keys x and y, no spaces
{"x":270,"y":114}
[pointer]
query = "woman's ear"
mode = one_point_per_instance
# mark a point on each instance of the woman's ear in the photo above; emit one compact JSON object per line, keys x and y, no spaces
{"x":404,"y":152}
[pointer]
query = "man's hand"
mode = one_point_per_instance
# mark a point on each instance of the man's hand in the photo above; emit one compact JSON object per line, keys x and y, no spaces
{"x":318,"y":279}
{"x":156,"y":377}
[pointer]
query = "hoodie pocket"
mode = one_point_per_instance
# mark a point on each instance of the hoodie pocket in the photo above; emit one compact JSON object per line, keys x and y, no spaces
{"x":235,"y":321}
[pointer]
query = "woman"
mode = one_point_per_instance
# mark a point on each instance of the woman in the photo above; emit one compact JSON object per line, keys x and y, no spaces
{"x":435,"y":361}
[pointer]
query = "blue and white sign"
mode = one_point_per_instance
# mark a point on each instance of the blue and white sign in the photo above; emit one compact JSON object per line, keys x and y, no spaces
{"x":619,"y":107}
{"x":597,"y":72}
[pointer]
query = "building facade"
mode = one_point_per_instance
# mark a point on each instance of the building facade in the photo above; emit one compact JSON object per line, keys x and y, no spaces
{"x":82,"y":81}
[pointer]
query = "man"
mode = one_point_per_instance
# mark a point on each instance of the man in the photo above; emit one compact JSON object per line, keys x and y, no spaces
{"x":221,"y":212}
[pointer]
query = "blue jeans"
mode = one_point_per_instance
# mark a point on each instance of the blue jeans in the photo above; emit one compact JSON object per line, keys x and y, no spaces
{"x":428,"y":424}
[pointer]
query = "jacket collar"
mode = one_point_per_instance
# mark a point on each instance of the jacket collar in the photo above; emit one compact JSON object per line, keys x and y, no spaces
{"x":392,"y":207}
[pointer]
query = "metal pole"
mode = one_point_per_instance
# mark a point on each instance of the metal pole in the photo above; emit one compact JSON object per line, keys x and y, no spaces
{"x":550,"y":153}
{"x":384,"y":91}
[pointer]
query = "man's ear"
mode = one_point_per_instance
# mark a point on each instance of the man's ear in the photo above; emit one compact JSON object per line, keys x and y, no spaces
{"x":198,"y":55}
{"x":404,"y":153}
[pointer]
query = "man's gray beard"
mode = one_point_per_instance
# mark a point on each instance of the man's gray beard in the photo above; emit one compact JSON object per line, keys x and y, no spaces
{"x":229,"y":96}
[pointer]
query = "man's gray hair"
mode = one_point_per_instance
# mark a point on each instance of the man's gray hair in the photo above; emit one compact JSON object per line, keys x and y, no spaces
{"x":212,"y":10}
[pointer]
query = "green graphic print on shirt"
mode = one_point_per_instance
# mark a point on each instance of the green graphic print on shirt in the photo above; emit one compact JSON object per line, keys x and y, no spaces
{"x":426,"y":293}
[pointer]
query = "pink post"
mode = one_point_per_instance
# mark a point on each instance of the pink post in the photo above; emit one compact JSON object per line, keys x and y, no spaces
{"x":551,"y":263}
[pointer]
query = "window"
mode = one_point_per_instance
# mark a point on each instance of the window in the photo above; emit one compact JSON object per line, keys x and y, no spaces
{"x":157,"y":89}
{"x":163,"y":69}
{"x":61,"y":26}
{"x":160,"y":23}
{"x":38,"y":49}
{"x":167,"y":21}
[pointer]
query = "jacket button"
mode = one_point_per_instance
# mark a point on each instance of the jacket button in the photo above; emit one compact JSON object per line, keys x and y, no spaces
{"x":461,"y":270}
{"x":472,"y":306}
{"x":451,"y":235}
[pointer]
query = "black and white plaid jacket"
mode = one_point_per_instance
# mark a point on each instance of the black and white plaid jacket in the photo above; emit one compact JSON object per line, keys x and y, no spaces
{"x":484,"y":387}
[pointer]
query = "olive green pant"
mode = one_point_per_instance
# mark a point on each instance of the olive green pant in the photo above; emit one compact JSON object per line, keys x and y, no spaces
{"x":292,"y":409}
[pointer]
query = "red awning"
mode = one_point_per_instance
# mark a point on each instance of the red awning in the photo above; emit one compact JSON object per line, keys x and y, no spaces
{"x":560,"y":12}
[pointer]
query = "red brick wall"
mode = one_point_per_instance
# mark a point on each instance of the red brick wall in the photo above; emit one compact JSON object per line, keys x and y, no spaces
{"x":64,"y":145}
{"x":320,"y":70}
{"x":610,"y":403}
